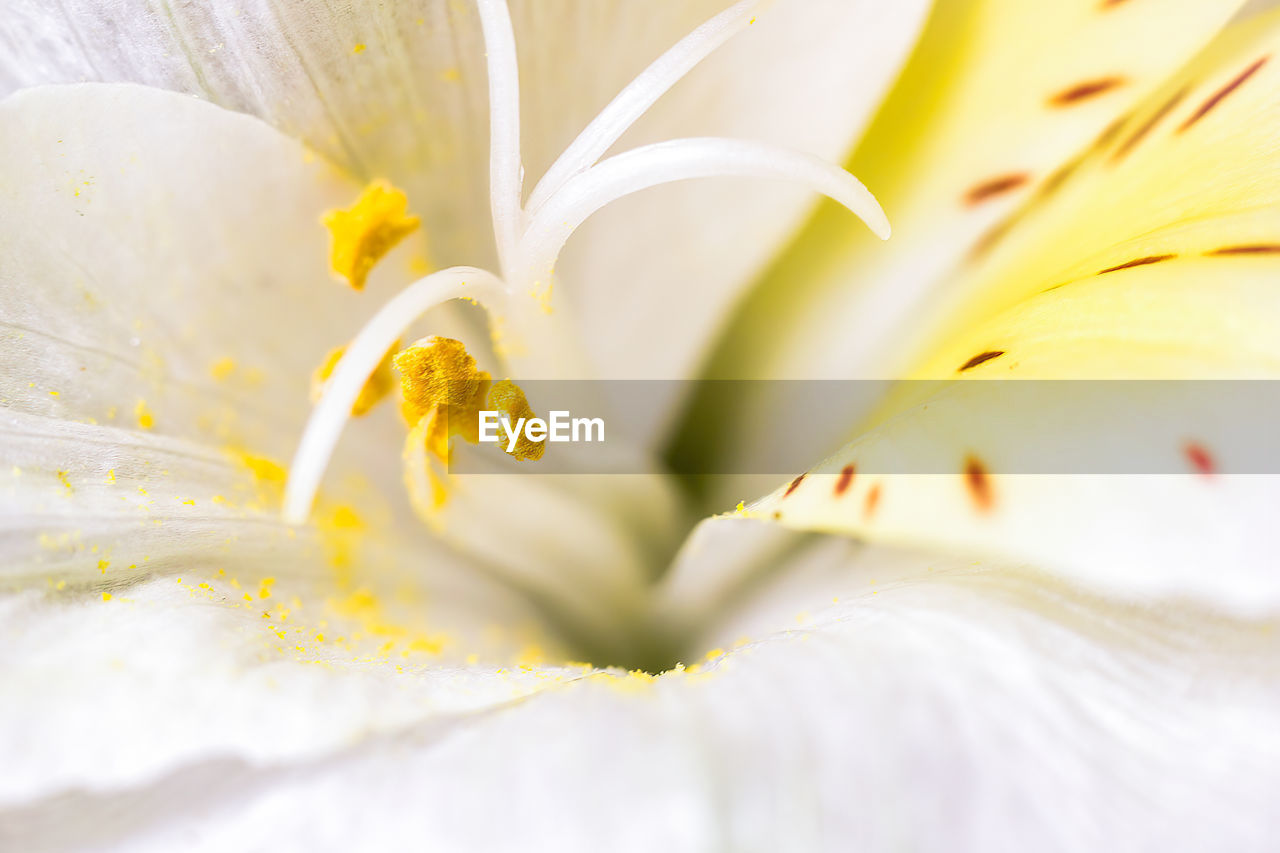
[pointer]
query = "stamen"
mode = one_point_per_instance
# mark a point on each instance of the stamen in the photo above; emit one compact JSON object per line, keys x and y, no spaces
{"x":444,"y":393}
{"x":363,"y":233}
{"x":680,"y":160}
{"x":638,"y":96}
{"x":528,"y":244}
{"x":362,"y":357}
{"x":506,"y":173}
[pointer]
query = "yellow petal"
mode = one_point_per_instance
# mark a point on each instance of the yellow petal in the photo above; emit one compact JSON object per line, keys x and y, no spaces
{"x":999,"y":95}
{"x":1156,"y":257}
{"x":1185,"y":175}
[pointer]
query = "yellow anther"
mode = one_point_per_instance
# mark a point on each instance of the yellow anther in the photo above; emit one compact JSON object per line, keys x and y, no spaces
{"x":375,"y":389}
{"x":444,"y":393}
{"x":464,"y":421}
{"x":509,"y":400}
{"x":366,"y":231}
{"x":437,"y":371}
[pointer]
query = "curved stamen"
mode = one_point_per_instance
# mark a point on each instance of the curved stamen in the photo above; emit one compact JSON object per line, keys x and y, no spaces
{"x":506,"y":174}
{"x":571,"y":191}
{"x":680,"y":160}
{"x":638,"y":96}
{"x":362,"y":357}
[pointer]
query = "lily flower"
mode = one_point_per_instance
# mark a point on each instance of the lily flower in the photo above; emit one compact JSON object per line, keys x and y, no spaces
{"x":246,"y":604}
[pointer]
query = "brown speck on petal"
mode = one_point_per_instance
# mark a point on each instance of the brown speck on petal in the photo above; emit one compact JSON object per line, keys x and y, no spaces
{"x":1138,"y":262}
{"x":980,"y":358}
{"x":845,"y":480}
{"x":872,"y":501}
{"x":978,"y":482}
{"x":989,"y":240}
{"x":777,"y":515}
{"x":1055,"y":181}
{"x":1255,"y":249}
{"x":1085,"y":90}
{"x":995,"y":187}
{"x":1219,"y":96}
{"x":1109,"y":135}
{"x":1200,"y":458}
{"x":795,"y":484}
{"x":1149,"y":125}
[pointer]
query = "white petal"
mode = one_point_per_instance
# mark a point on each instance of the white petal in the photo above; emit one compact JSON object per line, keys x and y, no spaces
{"x":975,"y":711}
{"x":411,"y":106}
{"x":103,"y":696}
{"x":387,"y":90}
{"x":164,"y":299}
{"x":399,"y":90}
{"x":156,"y":253}
{"x":158,"y":249}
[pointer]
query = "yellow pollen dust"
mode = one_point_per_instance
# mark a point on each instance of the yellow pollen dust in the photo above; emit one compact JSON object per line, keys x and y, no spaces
{"x":222,"y":369}
{"x":146,"y":419}
{"x":375,"y":390}
{"x":364,"y":233}
{"x":263,"y":469}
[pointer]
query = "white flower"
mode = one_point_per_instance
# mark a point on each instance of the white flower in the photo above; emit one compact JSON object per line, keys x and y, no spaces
{"x":1078,"y":189}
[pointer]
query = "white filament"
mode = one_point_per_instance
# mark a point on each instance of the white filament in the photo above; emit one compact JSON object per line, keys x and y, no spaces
{"x":574,"y":188}
{"x":506,"y":173}
{"x":680,"y":160}
{"x":638,"y":96}
{"x":363,"y":355}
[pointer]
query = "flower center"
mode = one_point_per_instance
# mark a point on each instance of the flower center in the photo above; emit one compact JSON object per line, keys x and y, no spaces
{"x":530,"y":235}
